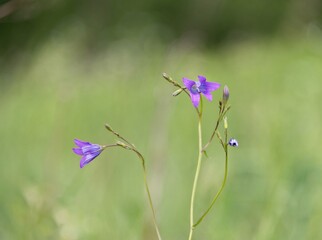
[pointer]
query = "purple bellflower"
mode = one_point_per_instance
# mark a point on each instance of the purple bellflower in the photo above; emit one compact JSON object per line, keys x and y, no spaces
{"x":87,"y":150}
{"x":201,"y":86}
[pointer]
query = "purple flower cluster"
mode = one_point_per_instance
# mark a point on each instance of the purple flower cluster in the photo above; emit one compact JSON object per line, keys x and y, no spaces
{"x":198,"y":87}
{"x":87,"y":150}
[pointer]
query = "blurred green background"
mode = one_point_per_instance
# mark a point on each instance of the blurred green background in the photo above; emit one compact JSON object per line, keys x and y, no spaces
{"x":68,"y":67}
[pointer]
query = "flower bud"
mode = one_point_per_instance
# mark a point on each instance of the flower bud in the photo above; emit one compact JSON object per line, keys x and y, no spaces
{"x":122,"y":144}
{"x":167,"y":77}
{"x":108,"y":127}
{"x":233,"y":142}
{"x":225,"y":96}
{"x":177,"y":92}
{"x":225,"y":123}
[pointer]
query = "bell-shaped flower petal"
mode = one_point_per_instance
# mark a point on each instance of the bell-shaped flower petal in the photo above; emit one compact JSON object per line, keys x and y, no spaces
{"x":87,"y":150}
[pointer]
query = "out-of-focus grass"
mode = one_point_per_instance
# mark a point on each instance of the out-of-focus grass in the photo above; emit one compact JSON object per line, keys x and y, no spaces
{"x":274,"y":185}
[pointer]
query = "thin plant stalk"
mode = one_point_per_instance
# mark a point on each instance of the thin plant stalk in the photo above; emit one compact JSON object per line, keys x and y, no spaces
{"x":222,"y":112}
{"x":221,"y":188}
{"x":110,"y":145}
{"x":195,"y":182}
{"x":130,"y":146}
{"x":109,"y":128}
{"x":148,"y":191}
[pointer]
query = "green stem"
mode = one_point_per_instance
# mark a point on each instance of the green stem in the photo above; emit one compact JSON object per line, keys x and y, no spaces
{"x":148,"y":191}
{"x":111,"y":145}
{"x":212,"y":135}
{"x":130,"y":146}
{"x":222,"y":112}
{"x":195,"y":182}
{"x":109,"y":128}
{"x":222,"y":185}
{"x":151,"y":204}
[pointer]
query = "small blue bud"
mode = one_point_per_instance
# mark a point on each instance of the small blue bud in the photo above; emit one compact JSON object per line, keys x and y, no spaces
{"x":233,"y":142}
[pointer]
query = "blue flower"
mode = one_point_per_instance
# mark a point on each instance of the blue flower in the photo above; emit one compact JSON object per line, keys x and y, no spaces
{"x":201,"y":86}
{"x":87,"y":150}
